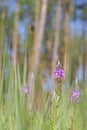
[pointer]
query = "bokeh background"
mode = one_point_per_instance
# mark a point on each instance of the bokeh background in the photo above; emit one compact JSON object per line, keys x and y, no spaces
{"x":31,"y":26}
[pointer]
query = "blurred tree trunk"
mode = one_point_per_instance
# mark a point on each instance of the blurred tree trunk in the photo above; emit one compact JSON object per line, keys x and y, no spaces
{"x":84,"y":18}
{"x":15,"y":36}
{"x":85,"y":55}
{"x":36,"y":25}
{"x":66,"y":38}
{"x":37,"y":17}
{"x":56,"y":42}
{"x":2,"y":28}
{"x":2,"y":37}
{"x":37,"y":47}
{"x":61,"y":46}
{"x":84,"y":42}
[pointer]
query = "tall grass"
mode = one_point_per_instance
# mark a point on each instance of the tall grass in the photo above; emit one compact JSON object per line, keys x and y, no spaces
{"x":57,"y":113}
{"x":61,"y":114}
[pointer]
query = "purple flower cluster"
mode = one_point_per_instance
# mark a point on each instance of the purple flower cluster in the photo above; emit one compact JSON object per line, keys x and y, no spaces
{"x":75,"y":96}
{"x":59,"y":72}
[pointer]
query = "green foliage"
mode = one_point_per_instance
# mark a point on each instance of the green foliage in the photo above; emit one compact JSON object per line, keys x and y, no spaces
{"x":60,"y":114}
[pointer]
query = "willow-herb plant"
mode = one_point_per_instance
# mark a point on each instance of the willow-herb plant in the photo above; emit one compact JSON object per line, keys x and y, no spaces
{"x":51,"y":122}
{"x":75,"y":99}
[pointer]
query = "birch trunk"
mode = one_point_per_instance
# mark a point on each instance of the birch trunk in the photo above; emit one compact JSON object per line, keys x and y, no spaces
{"x":66,"y":38}
{"x":15,"y":37}
{"x":37,"y":48}
{"x":56,"y":42}
{"x":84,"y":44}
{"x":2,"y":32}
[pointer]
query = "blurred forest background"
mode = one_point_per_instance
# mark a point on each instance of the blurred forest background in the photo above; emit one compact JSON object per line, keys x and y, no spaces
{"x":42,"y":32}
{"x":35,"y":35}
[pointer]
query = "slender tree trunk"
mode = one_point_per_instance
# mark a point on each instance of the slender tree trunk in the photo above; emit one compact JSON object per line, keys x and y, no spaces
{"x":85,"y":40}
{"x":2,"y":35}
{"x":37,"y":17}
{"x":84,"y":16}
{"x":2,"y":32}
{"x":37,"y":48}
{"x":32,"y":55}
{"x":15,"y":36}
{"x":40,"y":35}
{"x":66,"y":38}
{"x":84,"y":44}
{"x":84,"y":53}
{"x":56,"y":41}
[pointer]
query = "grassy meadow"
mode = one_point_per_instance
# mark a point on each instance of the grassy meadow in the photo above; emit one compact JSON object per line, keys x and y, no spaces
{"x":43,"y":65}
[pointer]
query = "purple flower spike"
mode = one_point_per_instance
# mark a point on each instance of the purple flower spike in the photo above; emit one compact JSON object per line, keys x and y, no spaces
{"x":59,"y":72}
{"x":26,"y":90}
{"x":75,"y":96}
